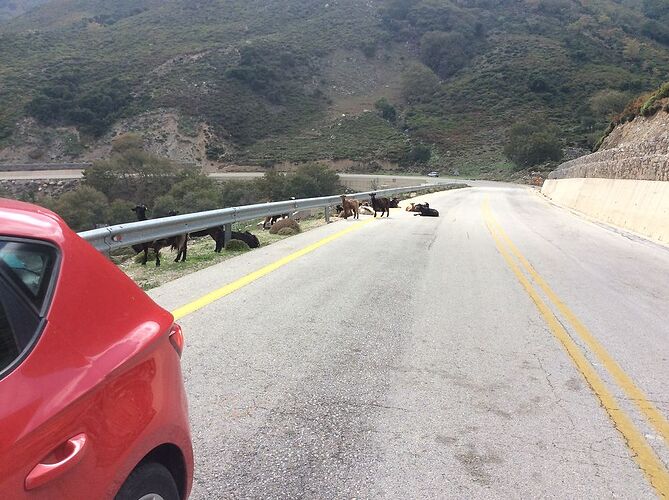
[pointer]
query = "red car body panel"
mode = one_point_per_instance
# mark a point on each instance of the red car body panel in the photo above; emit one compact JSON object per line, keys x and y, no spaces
{"x":103,"y":367}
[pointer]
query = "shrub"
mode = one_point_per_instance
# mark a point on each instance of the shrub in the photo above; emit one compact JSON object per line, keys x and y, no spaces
{"x":532,"y":143}
{"x":285,"y":223}
{"x":286,"y":231}
{"x":418,"y":154}
{"x":82,"y":209}
{"x":237,"y":246}
{"x":608,"y":102}
{"x":650,"y":107}
{"x":131,"y":173}
{"x":120,"y":211}
{"x":419,"y":84}
{"x":444,"y":52}
{"x":66,"y":101}
{"x":387,"y":110}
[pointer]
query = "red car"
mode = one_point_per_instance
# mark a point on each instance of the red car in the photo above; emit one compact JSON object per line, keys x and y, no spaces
{"x":92,"y":402}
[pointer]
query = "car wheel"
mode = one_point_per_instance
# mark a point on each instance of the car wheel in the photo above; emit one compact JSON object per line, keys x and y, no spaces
{"x":149,"y":481}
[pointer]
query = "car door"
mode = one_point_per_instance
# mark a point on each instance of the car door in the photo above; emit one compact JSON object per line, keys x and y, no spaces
{"x":37,"y":448}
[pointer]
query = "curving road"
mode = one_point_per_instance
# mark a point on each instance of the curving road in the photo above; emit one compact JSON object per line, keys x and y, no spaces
{"x":506,"y":349}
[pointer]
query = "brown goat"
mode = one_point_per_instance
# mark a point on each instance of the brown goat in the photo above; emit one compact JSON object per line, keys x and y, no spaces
{"x":350,"y":207}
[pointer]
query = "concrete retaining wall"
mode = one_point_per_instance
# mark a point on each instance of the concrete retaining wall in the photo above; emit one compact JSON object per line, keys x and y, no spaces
{"x":640,"y":206}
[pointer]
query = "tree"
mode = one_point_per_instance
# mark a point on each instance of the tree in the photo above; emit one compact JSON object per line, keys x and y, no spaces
{"x":606,"y":103}
{"x":119,"y":212}
{"x":387,"y":110}
{"x":194,"y":193}
{"x":419,"y":84}
{"x":533,"y":142}
{"x":131,"y":173}
{"x":444,"y":52}
{"x":82,"y":209}
{"x":418,"y":154}
{"x":312,"y":180}
{"x":93,"y":109}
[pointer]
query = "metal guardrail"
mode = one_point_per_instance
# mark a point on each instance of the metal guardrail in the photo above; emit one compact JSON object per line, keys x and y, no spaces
{"x":123,"y":235}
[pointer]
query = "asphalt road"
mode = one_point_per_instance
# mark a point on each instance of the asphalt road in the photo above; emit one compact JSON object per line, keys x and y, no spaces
{"x":385,"y":180}
{"x":424,"y":358}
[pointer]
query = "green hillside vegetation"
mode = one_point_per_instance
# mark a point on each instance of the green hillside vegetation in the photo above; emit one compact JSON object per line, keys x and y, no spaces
{"x":10,"y":9}
{"x":645,"y":105}
{"x":255,"y":71}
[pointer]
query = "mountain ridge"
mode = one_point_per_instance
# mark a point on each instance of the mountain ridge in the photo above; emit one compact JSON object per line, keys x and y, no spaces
{"x":261,"y":83}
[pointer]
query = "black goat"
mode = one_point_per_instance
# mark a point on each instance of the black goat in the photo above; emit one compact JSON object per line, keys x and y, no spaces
{"x":218,"y":235}
{"x":380,"y":205}
{"x":426,"y":211}
{"x":179,"y":243}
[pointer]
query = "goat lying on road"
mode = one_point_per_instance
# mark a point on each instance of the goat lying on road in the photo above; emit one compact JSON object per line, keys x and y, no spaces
{"x":426,"y":211}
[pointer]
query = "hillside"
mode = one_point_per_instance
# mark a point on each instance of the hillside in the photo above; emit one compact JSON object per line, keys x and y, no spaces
{"x":10,"y":9}
{"x":239,"y":83}
{"x":636,"y":145}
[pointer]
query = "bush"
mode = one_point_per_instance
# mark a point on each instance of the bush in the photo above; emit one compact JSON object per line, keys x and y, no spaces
{"x":532,"y":143}
{"x":131,"y":173}
{"x":120,"y":211}
{"x":65,"y":101}
{"x":444,"y":52}
{"x":82,"y":209}
{"x":418,"y":154}
{"x":608,"y":102}
{"x":237,"y":246}
{"x":651,"y":106}
{"x":286,"y":231}
{"x":387,"y":110}
{"x":309,"y":181}
{"x":285,"y":223}
{"x":419,"y":84}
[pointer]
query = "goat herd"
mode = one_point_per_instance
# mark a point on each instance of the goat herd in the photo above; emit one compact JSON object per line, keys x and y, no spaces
{"x":349,"y":207}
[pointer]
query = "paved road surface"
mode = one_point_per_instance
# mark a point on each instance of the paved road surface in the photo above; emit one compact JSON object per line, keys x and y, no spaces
{"x":385,"y":180}
{"x":41,"y":175}
{"x":419,"y":358}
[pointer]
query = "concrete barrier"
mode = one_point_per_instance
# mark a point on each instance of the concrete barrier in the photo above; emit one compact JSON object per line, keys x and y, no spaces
{"x":637,"y":205}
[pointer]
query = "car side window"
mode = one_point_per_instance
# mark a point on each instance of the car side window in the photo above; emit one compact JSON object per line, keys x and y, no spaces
{"x":26,"y":275}
{"x":29,"y":265}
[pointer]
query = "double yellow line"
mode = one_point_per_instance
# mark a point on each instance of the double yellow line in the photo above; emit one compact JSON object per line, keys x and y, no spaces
{"x":207,"y":299}
{"x":644,"y":455}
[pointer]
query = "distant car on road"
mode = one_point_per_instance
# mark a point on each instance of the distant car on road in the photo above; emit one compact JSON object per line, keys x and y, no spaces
{"x":433,"y":174}
{"x":92,"y":402}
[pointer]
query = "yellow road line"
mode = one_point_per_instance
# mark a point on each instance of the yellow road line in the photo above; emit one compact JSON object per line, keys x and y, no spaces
{"x":633,"y":392}
{"x":250,"y":278}
{"x":643,"y":453}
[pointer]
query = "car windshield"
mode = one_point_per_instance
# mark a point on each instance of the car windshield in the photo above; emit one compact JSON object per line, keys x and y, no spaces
{"x":29,"y":266}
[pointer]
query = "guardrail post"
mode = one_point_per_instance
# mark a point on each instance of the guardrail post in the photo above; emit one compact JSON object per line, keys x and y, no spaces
{"x":327,"y":215}
{"x":227,"y":235}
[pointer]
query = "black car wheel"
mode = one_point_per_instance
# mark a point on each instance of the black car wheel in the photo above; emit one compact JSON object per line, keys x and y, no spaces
{"x":149,"y":481}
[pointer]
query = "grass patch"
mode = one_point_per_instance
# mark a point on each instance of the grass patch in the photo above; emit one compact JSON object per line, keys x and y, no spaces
{"x":200,"y":256}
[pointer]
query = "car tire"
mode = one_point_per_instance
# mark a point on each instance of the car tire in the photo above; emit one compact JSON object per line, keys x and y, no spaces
{"x":149,"y":481}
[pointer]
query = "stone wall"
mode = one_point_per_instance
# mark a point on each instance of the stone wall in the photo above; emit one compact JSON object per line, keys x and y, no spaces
{"x":636,"y":150}
{"x":30,"y":189}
